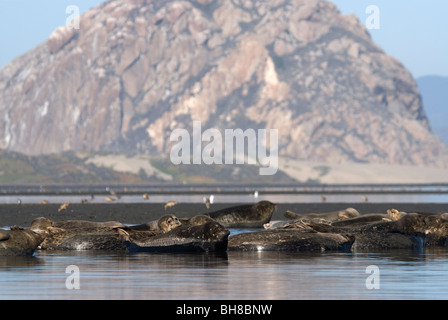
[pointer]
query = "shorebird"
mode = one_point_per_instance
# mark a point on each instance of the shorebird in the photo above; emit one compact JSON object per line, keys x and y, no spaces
{"x":170,"y":204}
{"x":207,"y":202}
{"x":63,"y":206}
{"x":116,"y":198}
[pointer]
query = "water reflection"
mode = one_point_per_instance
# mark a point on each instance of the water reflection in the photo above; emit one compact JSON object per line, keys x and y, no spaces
{"x":238,"y":275}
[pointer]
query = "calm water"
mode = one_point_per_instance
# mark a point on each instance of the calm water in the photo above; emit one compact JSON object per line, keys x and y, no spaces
{"x":238,"y":275}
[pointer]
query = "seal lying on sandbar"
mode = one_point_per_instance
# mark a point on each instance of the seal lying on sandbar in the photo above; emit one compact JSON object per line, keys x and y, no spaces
{"x":72,"y":224}
{"x":329,"y":216}
{"x":289,"y":240}
{"x":208,"y":237}
{"x":93,"y":238}
{"x":287,"y":224}
{"x":196,"y":220}
{"x":23,"y":242}
{"x":163,"y":224}
{"x":244,"y":216}
{"x":369,"y":218}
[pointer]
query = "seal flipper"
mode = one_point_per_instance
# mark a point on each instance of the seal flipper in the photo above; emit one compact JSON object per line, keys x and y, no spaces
{"x":123,"y":235}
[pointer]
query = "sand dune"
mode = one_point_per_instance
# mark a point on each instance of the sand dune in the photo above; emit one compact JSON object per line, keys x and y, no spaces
{"x":361,"y":173}
{"x":131,"y":164}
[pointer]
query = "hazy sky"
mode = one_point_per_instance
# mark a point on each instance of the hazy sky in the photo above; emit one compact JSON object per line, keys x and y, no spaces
{"x":415,"y":32}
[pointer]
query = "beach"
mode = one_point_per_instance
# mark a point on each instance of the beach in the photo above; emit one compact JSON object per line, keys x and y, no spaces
{"x":135,"y":213}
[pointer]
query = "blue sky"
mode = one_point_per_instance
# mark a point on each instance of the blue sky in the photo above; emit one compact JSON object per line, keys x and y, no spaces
{"x":415,"y":32}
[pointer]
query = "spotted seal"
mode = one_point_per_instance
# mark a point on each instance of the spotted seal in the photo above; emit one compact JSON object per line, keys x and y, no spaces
{"x":164,"y":224}
{"x":368,"y":218}
{"x":90,"y":238}
{"x":24,"y":242}
{"x":289,"y":224}
{"x":244,"y":216}
{"x":72,"y":224}
{"x":208,"y":237}
{"x":330,"y":216}
{"x":196,"y":220}
{"x":289,"y":240}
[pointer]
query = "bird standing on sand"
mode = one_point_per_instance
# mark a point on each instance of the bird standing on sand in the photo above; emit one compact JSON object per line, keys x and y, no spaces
{"x":170,"y":204}
{"x":63,"y":206}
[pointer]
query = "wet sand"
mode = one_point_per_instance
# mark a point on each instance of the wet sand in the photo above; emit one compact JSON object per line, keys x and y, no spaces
{"x":128,"y":213}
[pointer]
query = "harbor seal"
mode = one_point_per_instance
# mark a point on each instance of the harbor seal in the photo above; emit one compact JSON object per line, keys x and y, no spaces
{"x":24,"y":242}
{"x":196,"y":220}
{"x":164,"y":224}
{"x":208,"y":237}
{"x":93,"y":238}
{"x":291,"y":224}
{"x":244,"y":216}
{"x":289,"y":240}
{"x":363,"y":219}
{"x":71,"y":224}
{"x":330,"y":216}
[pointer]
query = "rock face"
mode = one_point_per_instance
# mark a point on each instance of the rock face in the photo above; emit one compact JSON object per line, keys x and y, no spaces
{"x":137,"y":70}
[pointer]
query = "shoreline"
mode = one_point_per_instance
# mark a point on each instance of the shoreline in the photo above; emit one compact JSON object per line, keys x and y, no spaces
{"x":136,"y":213}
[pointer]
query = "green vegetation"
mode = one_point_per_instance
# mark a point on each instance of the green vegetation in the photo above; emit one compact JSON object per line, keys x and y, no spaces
{"x":72,"y":168}
{"x":66,"y":168}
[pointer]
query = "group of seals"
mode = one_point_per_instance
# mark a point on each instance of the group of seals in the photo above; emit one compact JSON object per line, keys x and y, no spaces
{"x":344,"y":230}
{"x":394,"y":230}
{"x":204,"y":232}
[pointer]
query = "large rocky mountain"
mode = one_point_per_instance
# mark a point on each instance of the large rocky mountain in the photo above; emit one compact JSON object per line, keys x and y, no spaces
{"x":137,"y":70}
